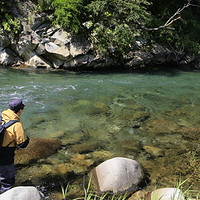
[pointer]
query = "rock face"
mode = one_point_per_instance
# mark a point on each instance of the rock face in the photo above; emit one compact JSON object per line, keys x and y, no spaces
{"x":167,"y":194}
{"x":118,"y":175}
{"x":22,"y":193}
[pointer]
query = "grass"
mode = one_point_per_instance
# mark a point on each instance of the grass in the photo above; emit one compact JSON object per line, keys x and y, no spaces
{"x":89,"y":194}
{"x":64,"y":190}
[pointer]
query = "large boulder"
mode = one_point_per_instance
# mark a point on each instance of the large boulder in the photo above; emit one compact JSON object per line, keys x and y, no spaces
{"x":117,"y":175}
{"x":61,"y":52}
{"x":22,"y":193}
{"x":60,"y":37}
{"x":36,"y":61}
{"x":24,"y":47}
{"x":167,"y":194}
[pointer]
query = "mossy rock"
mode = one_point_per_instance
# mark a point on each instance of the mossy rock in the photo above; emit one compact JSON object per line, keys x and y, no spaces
{"x":38,"y":148}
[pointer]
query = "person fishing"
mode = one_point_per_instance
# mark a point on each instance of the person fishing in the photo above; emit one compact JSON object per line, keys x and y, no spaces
{"x":14,"y":136}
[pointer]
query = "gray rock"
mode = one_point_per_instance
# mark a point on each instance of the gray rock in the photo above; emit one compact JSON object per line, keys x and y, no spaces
{"x":167,"y":194}
{"x":81,"y":60}
{"x":22,"y":193}
{"x":60,"y":52}
{"x":140,"y":58}
{"x":118,"y":175}
{"x":40,"y":50}
{"x":36,"y":61}
{"x":25,"y":47}
{"x":6,"y":57}
{"x":77,"y":48}
{"x":4,"y":41}
{"x":61,"y":36}
{"x":160,"y":54}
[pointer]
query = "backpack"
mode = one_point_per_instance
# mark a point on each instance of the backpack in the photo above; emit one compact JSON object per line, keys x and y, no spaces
{"x":3,"y":127}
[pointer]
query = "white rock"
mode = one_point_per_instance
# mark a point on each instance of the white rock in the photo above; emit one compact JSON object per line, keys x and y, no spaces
{"x":62,"y":53}
{"x":167,"y":194}
{"x":37,"y":62}
{"x":62,"y":36}
{"x":51,"y":47}
{"x":6,"y":58}
{"x":22,"y":193}
{"x":59,"y":52}
{"x":118,"y":174}
{"x":76,"y":49}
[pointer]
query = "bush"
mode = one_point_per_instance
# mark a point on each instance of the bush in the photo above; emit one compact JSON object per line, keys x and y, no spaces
{"x":7,"y":21}
{"x":116,"y":23}
{"x":67,"y":13}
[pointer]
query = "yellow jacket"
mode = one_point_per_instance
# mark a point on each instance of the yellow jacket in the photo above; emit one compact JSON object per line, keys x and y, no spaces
{"x":14,"y":134}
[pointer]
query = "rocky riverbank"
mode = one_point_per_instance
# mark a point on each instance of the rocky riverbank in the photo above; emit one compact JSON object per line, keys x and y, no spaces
{"x":39,"y":45}
{"x":57,"y":49}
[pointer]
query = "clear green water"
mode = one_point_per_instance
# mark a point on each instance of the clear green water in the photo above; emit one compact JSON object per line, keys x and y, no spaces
{"x":125,"y":112}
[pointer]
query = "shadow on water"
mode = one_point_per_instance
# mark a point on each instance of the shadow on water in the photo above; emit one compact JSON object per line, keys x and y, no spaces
{"x":169,"y":70}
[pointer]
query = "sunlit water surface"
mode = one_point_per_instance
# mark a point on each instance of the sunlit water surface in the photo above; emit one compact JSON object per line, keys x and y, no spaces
{"x":150,"y":117}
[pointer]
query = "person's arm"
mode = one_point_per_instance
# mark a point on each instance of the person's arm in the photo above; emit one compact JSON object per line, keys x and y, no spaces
{"x":24,"y":144}
{"x":21,"y":139}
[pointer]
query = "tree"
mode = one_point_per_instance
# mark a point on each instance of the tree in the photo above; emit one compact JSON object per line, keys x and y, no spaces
{"x":68,"y":14}
{"x":116,"y":23}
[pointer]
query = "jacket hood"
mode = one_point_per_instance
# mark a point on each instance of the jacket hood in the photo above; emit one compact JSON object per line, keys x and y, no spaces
{"x":8,"y":115}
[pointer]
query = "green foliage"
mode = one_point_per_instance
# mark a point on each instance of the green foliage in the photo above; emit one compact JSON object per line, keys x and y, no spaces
{"x":64,"y":190}
{"x":7,"y":21}
{"x":90,"y":194}
{"x":116,"y":23}
{"x":44,"y":5}
{"x":68,"y":14}
{"x":113,"y":25}
{"x":11,"y":25}
{"x":181,"y":37}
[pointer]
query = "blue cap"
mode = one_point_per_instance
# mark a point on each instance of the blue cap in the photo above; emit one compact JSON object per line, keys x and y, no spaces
{"x":16,"y":105}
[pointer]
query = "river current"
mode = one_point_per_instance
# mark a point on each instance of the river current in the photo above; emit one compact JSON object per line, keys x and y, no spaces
{"x":152,"y":117}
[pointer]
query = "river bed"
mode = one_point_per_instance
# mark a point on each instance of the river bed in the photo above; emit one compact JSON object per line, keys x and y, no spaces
{"x":151,"y":117}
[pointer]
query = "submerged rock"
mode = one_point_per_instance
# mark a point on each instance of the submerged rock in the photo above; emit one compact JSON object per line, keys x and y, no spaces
{"x":85,"y":147}
{"x":38,"y":148}
{"x":130,"y":145}
{"x":102,"y":155}
{"x":117,"y":175}
{"x":154,"y":151}
{"x":162,"y":127}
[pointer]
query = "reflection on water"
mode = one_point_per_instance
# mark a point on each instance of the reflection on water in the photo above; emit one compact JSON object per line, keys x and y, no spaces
{"x":150,"y":117}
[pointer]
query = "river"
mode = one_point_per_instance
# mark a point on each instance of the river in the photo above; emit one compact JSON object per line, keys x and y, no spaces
{"x":152,"y":117}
